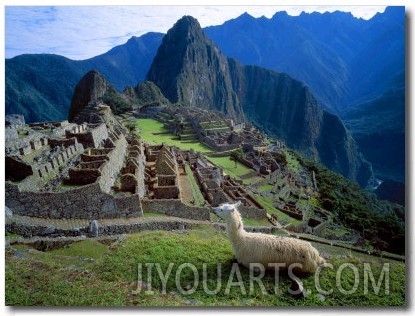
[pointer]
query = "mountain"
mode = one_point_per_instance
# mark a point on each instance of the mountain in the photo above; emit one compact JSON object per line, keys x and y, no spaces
{"x":41,"y":86}
{"x":343,"y":59}
{"x":95,"y":88}
{"x":392,"y":191}
{"x":378,"y":127}
{"x":91,"y":88}
{"x":191,"y":70}
{"x":354,"y":67}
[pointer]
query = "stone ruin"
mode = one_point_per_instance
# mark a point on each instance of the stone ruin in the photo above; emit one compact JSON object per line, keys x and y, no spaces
{"x":161,"y":173}
{"x":259,"y":160}
{"x":211,"y":128}
{"x":92,"y":169}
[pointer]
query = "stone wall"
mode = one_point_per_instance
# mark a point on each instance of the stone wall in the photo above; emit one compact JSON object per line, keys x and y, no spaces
{"x":53,"y":142}
{"x":252,"y":212}
{"x":166,"y":192}
{"x":175,"y":208}
{"x":113,"y":166}
{"x":17,"y":170}
{"x":105,"y":170}
{"x":94,"y":137}
{"x":296,"y":215}
{"x":46,"y":170}
{"x":87,"y":202}
{"x":47,"y":232}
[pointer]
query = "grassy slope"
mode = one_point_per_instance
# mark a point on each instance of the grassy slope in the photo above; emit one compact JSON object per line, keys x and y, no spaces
{"x":197,"y":195}
{"x":65,"y":277}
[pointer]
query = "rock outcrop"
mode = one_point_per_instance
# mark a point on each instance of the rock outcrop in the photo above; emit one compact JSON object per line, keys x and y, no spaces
{"x":91,"y":88}
{"x":191,"y":70}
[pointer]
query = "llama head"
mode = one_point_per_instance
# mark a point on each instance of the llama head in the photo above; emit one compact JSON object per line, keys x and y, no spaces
{"x":225,"y":209}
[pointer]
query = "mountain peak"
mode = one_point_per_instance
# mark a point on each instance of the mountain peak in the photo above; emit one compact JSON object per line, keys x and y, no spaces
{"x":185,"y":26}
{"x":191,"y":70}
{"x":246,"y":16}
{"x":91,"y":87}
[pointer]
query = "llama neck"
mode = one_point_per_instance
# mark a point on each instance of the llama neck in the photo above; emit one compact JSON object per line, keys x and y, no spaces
{"x":234,"y":225}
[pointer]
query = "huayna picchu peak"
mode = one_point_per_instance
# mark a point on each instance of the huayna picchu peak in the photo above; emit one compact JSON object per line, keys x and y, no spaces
{"x":189,"y":69}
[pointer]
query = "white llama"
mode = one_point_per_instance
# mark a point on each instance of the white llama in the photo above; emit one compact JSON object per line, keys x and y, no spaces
{"x":267,"y":249}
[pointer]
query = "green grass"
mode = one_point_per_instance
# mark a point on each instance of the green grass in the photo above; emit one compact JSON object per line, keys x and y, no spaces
{"x":266,"y":187}
{"x":154,"y":132}
{"x":88,"y":248}
{"x":292,"y":163}
{"x":256,"y":222}
{"x":60,"y":278}
{"x":197,"y":195}
{"x":229,"y":168}
{"x":267,"y":203}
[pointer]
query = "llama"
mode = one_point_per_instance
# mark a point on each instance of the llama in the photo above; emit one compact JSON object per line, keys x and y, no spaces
{"x":266,"y":249}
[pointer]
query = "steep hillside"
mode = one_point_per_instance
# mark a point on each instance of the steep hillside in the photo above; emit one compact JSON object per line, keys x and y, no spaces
{"x":190,"y":69}
{"x":354,"y":67}
{"x":40,"y":86}
{"x":378,"y":126}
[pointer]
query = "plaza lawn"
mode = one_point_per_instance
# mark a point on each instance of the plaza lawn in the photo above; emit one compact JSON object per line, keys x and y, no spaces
{"x":153,"y":132}
{"x":229,"y":167}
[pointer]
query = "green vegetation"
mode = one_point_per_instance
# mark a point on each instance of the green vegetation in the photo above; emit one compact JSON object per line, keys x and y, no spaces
{"x":231,"y":167}
{"x":267,"y":203}
{"x":65,"y":278}
{"x":116,"y":102}
{"x":150,"y":214}
{"x":88,"y":248}
{"x":292,"y":162}
{"x":377,"y":221}
{"x":256,"y":222}
{"x":266,"y":187}
{"x":199,"y":200}
{"x":154,"y":132}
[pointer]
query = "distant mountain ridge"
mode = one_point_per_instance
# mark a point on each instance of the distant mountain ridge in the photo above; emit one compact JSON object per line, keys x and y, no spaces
{"x":343,"y":59}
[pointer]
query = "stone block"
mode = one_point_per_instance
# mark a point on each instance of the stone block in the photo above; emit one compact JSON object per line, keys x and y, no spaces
{"x":93,"y":228}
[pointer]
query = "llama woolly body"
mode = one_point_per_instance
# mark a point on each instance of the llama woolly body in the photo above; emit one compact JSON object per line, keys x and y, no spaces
{"x":267,"y":249}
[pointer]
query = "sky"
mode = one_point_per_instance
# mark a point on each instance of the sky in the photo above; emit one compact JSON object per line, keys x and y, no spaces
{"x":83,"y":31}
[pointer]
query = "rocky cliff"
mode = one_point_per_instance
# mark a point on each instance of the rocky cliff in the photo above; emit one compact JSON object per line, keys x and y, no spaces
{"x":191,"y":70}
{"x":92,"y":87}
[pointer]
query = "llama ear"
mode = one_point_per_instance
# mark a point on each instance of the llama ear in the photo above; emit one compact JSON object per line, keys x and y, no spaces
{"x":237,"y":204}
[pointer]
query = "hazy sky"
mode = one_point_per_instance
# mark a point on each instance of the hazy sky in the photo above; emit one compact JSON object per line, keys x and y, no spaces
{"x":83,"y":31}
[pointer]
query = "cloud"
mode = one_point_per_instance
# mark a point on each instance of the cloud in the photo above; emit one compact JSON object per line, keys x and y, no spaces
{"x":80,"y":32}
